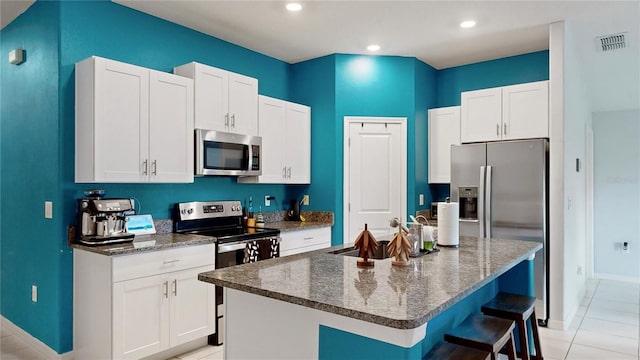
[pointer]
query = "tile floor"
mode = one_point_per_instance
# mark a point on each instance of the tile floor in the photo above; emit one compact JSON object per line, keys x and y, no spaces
{"x":607,"y":326}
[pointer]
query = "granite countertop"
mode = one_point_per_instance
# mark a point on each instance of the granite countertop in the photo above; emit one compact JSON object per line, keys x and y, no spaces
{"x":402,"y":298}
{"x":161,"y":241}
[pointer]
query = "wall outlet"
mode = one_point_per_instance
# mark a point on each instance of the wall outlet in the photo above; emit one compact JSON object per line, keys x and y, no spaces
{"x":421,"y":197}
{"x":48,"y":210}
{"x":305,"y":200}
{"x":34,"y":293}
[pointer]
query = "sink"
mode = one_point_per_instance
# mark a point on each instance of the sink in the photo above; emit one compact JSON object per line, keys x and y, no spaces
{"x":381,"y":252}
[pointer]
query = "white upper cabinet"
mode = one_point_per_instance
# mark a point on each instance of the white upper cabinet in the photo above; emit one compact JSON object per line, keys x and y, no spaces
{"x":224,"y":101}
{"x":481,"y":115}
{"x":525,"y":111}
{"x":505,"y":113}
{"x":285,"y":128}
{"x":444,"y":131}
{"x":132,"y":124}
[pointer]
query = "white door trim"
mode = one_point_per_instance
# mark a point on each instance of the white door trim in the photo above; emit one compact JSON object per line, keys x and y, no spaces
{"x":348,"y":120}
{"x":589,"y":221}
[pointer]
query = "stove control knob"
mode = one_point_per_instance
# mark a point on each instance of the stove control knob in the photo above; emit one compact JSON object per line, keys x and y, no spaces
{"x":190,"y":211}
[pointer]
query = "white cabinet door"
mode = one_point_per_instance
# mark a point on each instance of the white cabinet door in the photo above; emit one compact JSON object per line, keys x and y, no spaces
{"x":525,"y":111}
{"x":211,"y":95}
{"x":112,"y":102}
{"x":192,"y":306}
{"x":224,"y":101}
{"x":444,"y":131}
{"x":243,"y":104}
{"x":298,"y":143}
{"x":140,"y":317}
{"x":481,"y":115}
{"x":272,"y":129}
{"x":170,"y":128}
{"x":285,"y":128}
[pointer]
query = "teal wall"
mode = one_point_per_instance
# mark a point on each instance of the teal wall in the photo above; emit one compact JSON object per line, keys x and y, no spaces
{"x":33,"y":249}
{"x":38,"y":105}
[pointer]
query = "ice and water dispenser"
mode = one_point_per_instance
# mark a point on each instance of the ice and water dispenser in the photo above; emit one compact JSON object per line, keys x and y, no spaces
{"x":468,"y":202}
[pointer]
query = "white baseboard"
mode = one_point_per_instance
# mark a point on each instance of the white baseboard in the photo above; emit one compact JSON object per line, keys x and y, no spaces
{"x":34,"y":343}
{"x":629,"y":279}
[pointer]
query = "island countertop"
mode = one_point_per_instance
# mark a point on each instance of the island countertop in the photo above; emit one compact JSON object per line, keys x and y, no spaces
{"x":396,"y":297}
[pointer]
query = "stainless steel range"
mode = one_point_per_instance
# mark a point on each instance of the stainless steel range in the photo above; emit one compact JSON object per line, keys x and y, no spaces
{"x":235,"y":243}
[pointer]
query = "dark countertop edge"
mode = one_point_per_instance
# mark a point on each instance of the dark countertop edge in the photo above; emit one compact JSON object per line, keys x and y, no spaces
{"x":375,"y":319}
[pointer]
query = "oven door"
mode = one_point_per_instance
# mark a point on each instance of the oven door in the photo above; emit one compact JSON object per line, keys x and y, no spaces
{"x":220,"y":153}
{"x":231,"y":254}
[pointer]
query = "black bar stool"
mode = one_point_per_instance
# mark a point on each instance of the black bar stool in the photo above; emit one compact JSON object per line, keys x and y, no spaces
{"x":518,"y":308}
{"x":449,"y":351}
{"x":486,"y":333}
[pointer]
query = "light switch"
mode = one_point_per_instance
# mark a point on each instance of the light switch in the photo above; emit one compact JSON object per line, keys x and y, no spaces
{"x":48,"y":210}
{"x":421,"y":199}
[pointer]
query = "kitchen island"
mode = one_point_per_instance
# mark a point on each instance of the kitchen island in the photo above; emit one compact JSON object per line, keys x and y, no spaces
{"x":321,"y":305}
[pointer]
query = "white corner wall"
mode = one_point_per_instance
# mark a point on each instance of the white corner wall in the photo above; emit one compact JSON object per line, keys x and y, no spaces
{"x":570,"y":114}
{"x":617,"y":194}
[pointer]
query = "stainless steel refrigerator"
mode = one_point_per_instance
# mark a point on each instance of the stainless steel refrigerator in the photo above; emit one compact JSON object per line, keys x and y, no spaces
{"x":502,"y":188}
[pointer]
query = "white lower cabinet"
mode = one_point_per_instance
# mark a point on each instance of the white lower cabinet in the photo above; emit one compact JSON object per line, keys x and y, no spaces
{"x":145,"y":303}
{"x":299,"y":241}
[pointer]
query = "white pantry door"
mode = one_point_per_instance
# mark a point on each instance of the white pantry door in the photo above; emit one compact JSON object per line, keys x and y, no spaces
{"x":375,"y":174}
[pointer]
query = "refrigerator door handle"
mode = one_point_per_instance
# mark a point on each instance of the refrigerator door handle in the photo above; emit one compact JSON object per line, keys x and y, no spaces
{"x":481,"y":202}
{"x":487,"y":217}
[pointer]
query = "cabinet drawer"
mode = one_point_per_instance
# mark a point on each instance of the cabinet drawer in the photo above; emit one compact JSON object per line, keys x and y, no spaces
{"x":305,"y":238}
{"x":159,"y":262}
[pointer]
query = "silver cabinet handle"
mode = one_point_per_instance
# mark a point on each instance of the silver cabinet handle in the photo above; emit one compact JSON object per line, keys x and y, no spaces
{"x":284,"y":172}
{"x":233,"y":120}
{"x":154,"y":167}
{"x":505,"y":128}
{"x":145,"y":167}
{"x":289,"y":172}
{"x":309,"y":238}
{"x":170,"y":261}
{"x":166,"y":289}
{"x":175,"y":287}
{"x":497,"y":129}
{"x":226,"y":119}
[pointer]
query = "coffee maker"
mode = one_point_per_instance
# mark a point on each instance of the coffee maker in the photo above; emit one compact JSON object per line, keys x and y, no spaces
{"x":102,"y":221}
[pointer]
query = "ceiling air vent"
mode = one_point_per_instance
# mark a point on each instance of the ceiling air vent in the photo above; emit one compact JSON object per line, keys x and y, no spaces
{"x":611,"y":42}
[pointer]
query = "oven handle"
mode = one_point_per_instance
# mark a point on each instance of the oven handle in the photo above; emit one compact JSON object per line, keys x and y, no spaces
{"x":229,"y":247}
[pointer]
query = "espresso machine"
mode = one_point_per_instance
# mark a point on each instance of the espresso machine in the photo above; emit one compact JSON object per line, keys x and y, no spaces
{"x":102,"y":221}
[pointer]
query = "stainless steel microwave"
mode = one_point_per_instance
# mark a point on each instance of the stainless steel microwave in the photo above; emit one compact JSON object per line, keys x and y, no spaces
{"x":227,"y":154}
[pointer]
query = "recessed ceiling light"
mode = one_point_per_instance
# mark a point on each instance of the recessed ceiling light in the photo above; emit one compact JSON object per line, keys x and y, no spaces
{"x":373,"y":47}
{"x":467,"y":24}
{"x":294,"y":7}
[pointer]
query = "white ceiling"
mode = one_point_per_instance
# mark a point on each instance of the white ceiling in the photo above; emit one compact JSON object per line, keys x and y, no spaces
{"x":427,"y":30}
